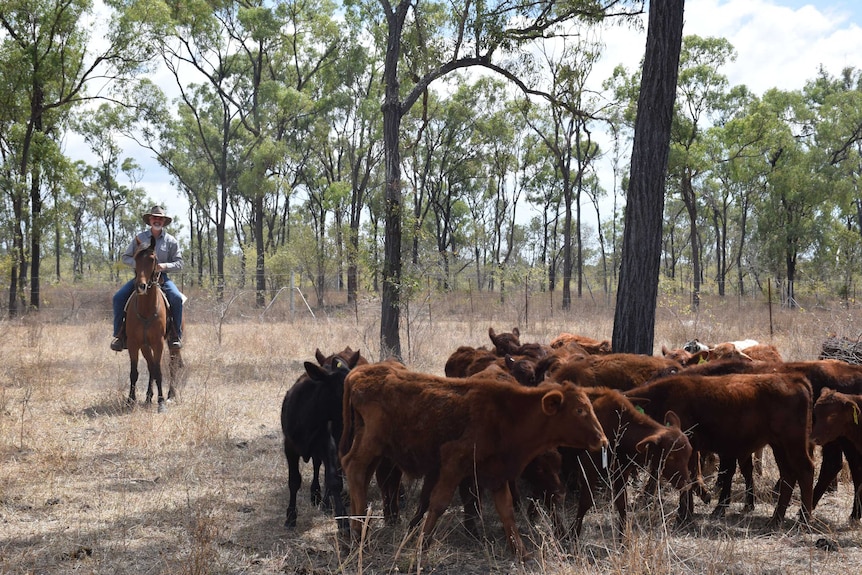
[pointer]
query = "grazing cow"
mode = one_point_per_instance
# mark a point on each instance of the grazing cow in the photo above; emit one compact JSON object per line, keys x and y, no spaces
{"x":615,"y":370}
{"x":733,"y":416}
{"x":467,"y":359}
{"x":836,"y":415}
{"x":588,"y":344}
{"x":510,"y":344}
{"x":311,"y":424}
{"x":505,"y":342}
{"x":449,"y":429}
{"x":636,"y":441}
{"x":695,"y":352}
{"x":831,"y":373}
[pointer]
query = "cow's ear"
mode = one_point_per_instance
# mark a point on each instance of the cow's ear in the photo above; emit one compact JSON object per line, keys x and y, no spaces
{"x":605,"y":346}
{"x":699,"y":357}
{"x":516,"y":331}
{"x":552,"y":402}
{"x":314,"y":371}
{"x":353,"y":360}
{"x":318,"y":355}
{"x":671,"y":419}
{"x":492,"y":334}
{"x":664,"y":349}
{"x":644,"y":443}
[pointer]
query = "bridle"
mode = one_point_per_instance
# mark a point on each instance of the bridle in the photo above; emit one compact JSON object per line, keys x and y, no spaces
{"x":155,"y":274}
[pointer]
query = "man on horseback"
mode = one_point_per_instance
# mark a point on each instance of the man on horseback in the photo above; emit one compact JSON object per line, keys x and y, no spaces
{"x":170,"y":258}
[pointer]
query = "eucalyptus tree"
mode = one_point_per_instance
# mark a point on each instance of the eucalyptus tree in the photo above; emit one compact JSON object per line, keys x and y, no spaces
{"x":637,"y":293}
{"x":701,"y":94}
{"x":544,"y":193}
{"x":503,"y":144}
{"x":436,"y":39}
{"x":567,"y":136}
{"x":50,"y":55}
{"x":795,"y":195}
{"x":444,"y":165}
{"x":836,"y":103}
{"x":243,"y":71}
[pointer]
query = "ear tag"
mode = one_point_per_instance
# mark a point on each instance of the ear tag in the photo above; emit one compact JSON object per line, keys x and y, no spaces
{"x":604,"y":457}
{"x":640,"y":409}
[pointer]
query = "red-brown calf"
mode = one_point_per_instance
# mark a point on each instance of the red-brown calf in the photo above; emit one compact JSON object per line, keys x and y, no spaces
{"x":616,"y":370}
{"x":449,"y":429}
{"x":636,"y":441}
{"x":733,"y":416}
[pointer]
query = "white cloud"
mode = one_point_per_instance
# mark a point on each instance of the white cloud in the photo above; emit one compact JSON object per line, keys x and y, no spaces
{"x":777,"y":46}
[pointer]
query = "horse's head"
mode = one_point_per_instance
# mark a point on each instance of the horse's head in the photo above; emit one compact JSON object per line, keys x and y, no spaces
{"x":146,"y":265}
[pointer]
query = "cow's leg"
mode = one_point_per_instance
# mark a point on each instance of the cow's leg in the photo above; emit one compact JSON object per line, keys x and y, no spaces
{"x":506,"y":511}
{"x":588,"y":480}
{"x":471,"y":497}
{"x":830,"y":465}
{"x":314,"y":488}
{"x":439,"y":498}
{"x":424,"y":496}
{"x":746,"y":467}
{"x":389,"y":481}
{"x":786,"y":481}
{"x":620,"y":501}
{"x":334,"y":484}
{"x":359,"y":464}
{"x":294,"y":482}
{"x":854,"y":462}
{"x":726,"y":469}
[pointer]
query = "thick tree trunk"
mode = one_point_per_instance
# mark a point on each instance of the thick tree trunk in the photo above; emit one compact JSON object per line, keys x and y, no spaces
{"x":634,"y":318}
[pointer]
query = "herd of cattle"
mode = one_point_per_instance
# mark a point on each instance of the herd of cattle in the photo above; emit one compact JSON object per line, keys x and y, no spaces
{"x":568,"y":416}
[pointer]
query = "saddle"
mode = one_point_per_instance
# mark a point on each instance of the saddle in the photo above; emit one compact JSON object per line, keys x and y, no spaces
{"x":169,"y":323}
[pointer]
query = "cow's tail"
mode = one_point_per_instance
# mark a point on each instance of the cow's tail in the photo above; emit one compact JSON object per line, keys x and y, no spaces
{"x":348,"y":418}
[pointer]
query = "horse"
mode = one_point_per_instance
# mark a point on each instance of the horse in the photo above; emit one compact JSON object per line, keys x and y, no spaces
{"x":146,"y":325}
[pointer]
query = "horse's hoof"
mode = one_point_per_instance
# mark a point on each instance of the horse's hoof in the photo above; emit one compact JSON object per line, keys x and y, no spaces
{"x":162,"y":408}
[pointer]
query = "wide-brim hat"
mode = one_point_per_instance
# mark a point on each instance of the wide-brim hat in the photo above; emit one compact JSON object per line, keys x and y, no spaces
{"x":156,"y":211}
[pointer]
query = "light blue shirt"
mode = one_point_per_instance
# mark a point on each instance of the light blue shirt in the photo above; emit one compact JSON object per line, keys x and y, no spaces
{"x":167,"y":250}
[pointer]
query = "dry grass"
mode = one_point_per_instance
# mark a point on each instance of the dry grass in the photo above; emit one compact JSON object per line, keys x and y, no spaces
{"x":89,"y":486}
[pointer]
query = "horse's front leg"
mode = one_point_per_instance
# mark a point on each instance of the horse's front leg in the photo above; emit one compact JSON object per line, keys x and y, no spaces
{"x":133,"y":376}
{"x":157,"y":370}
{"x":176,"y":363}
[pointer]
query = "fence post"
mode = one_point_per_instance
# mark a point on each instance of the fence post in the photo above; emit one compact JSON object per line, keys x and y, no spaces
{"x":769,"y":302}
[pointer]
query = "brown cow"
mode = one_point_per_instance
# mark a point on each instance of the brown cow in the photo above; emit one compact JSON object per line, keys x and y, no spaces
{"x":636,"y":440}
{"x":588,"y":344}
{"x":616,"y":370}
{"x":449,"y":429}
{"x":695,"y":352}
{"x":460,"y":362}
{"x":505,"y":342}
{"x":734,"y":415}
{"x":837,"y":415}
{"x":831,"y":373}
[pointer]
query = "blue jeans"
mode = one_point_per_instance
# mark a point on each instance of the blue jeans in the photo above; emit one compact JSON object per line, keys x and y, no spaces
{"x":173,"y":294}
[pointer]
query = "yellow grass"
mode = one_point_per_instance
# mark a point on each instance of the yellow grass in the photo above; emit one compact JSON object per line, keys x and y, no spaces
{"x":90,"y":486}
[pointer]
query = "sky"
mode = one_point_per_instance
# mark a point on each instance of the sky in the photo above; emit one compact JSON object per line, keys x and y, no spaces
{"x":779,"y":43}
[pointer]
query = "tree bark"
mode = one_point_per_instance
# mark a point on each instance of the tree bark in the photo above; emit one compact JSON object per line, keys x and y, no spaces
{"x":634,"y":317}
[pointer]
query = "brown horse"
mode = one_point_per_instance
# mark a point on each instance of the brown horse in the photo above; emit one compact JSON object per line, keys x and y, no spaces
{"x":146,"y":322}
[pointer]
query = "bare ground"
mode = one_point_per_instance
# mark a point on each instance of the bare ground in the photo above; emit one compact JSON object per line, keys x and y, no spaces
{"x":88,"y":485}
